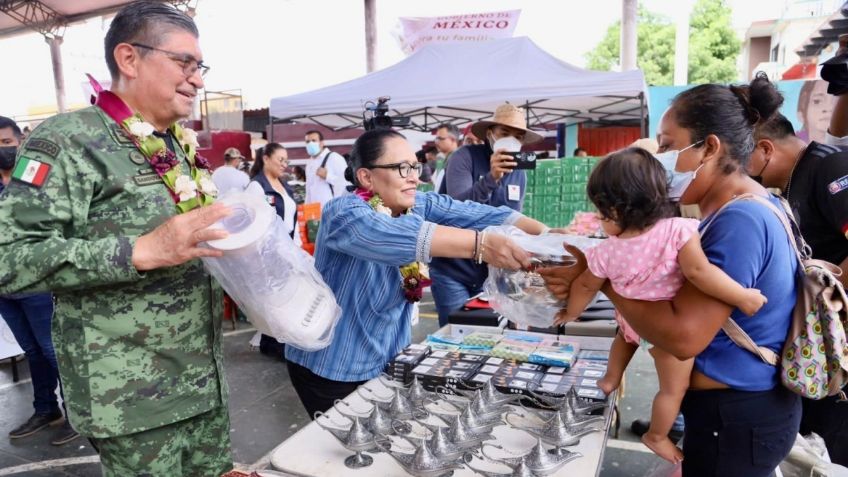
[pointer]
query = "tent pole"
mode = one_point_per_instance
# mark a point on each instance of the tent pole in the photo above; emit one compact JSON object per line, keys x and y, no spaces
{"x":371,"y":35}
{"x":628,"y":40}
{"x":55,"y":43}
{"x":271,"y":128}
{"x":642,"y":122}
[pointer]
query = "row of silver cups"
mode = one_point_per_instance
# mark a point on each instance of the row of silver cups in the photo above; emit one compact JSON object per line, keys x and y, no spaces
{"x":398,"y":422}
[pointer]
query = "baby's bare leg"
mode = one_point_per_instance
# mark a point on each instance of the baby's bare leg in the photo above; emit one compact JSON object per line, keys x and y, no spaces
{"x":620,"y":355}
{"x":673,"y":376}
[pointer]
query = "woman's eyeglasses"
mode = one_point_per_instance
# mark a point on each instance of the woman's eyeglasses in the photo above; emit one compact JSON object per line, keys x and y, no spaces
{"x":403,"y":168}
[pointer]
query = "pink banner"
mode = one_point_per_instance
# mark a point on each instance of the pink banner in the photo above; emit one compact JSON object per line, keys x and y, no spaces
{"x":416,"y":32}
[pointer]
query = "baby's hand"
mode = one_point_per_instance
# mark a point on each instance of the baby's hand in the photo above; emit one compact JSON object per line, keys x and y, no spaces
{"x":563,"y":318}
{"x":752,"y":301}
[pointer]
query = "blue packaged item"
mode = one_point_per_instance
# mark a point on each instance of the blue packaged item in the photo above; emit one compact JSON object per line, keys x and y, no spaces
{"x":448,"y":340}
{"x":553,"y":357}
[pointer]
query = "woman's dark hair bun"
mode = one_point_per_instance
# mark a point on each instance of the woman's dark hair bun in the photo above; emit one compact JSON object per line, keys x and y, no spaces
{"x":764,"y":96}
{"x":760,"y":98}
{"x":349,"y":174}
{"x":730,"y":113}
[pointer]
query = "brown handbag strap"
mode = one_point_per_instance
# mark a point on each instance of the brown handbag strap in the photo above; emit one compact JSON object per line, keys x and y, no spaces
{"x":781,"y":215}
{"x":744,"y":341}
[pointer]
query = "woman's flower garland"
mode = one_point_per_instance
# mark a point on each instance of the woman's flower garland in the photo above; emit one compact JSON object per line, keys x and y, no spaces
{"x":189,"y":191}
{"x":414,"y":277}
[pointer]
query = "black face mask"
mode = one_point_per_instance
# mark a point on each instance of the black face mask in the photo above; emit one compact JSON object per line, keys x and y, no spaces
{"x":759,"y":177}
{"x":7,"y":157}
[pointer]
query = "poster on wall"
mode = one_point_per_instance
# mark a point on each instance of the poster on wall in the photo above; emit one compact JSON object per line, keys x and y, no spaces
{"x":415,"y":32}
{"x":806,"y":105}
{"x":813,"y":110}
{"x":8,"y":345}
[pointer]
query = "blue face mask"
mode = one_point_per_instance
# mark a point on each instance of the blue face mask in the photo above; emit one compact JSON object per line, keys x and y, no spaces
{"x":312,"y":148}
{"x":678,"y":181}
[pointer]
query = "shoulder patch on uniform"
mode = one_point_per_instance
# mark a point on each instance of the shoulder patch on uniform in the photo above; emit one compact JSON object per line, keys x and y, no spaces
{"x":42,"y":145}
{"x":31,"y":171}
{"x":838,"y":185}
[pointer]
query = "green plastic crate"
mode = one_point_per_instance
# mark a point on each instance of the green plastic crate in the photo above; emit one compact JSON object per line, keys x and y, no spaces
{"x":553,"y":179}
{"x":547,"y":164}
{"x":577,"y":197}
{"x":552,"y":212}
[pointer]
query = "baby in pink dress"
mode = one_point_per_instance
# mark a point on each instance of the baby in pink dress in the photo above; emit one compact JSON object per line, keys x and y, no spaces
{"x":643,"y":267}
{"x":648,"y":256}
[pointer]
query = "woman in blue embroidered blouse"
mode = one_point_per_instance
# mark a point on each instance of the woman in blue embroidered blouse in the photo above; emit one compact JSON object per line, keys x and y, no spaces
{"x":359,"y":253}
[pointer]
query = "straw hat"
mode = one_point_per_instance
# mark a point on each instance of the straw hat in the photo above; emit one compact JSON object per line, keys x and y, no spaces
{"x":647,"y":143}
{"x":507,"y":115}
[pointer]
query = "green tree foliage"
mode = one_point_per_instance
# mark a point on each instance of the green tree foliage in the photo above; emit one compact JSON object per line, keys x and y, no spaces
{"x":655,"y":55}
{"x":713,"y":46}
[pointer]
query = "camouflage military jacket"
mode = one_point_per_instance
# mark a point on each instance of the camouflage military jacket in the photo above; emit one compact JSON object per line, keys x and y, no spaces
{"x":136,"y":350}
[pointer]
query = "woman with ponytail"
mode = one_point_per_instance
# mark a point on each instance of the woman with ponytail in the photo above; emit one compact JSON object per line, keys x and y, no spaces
{"x":370,"y":250}
{"x":740,"y":420}
{"x":267,"y":171}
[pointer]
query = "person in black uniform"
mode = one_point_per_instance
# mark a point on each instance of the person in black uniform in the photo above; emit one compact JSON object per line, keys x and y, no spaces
{"x":813,"y":178}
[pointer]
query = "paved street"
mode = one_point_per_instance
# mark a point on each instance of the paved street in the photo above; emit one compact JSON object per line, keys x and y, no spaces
{"x":264,"y":411}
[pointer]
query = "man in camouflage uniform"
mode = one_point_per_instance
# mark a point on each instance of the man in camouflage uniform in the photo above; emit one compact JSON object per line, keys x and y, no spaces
{"x":137,"y":324}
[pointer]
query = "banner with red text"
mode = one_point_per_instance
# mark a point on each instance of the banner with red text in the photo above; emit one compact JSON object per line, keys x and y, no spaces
{"x":415,"y":32}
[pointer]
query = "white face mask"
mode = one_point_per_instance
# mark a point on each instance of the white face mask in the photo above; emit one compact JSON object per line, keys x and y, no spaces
{"x":678,"y":181}
{"x":313,"y":148}
{"x":509,"y":143}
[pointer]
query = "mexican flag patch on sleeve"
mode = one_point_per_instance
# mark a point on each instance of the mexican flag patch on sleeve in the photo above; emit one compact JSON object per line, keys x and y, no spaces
{"x":31,"y":171}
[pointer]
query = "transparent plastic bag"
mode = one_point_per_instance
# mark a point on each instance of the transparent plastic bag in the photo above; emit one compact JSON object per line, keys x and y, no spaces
{"x":809,"y":457}
{"x":272,"y":280}
{"x":520,"y":295}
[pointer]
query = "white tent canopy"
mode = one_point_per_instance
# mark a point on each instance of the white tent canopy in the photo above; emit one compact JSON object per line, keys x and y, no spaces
{"x":465,"y":82}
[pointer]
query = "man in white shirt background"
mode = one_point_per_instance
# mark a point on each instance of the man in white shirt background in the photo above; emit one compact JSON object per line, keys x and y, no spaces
{"x":325,"y":172}
{"x":230,"y":176}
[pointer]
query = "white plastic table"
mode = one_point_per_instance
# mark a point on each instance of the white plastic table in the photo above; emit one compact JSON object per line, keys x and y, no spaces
{"x":312,"y":451}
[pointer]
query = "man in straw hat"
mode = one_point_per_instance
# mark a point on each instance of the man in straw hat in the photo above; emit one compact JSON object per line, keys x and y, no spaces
{"x":481,"y":173}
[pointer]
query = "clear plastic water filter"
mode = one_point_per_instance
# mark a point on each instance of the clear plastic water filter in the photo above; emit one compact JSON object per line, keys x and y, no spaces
{"x":269,"y":277}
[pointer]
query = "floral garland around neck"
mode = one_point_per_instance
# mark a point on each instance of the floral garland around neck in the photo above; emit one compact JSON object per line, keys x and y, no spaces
{"x":189,"y":191}
{"x":414,"y":274}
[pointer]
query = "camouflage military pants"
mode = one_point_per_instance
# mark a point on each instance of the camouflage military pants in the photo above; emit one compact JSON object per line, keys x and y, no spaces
{"x":198,"y":446}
